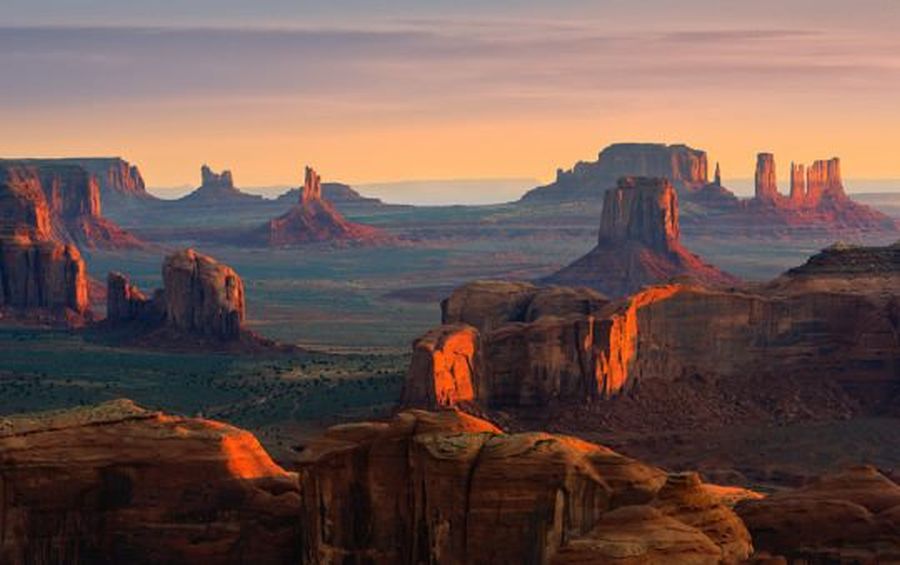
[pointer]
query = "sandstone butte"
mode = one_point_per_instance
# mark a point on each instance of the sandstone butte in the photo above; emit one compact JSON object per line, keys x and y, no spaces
{"x":72,"y":201}
{"x":200,"y":296}
{"x":314,"y":219}
{"x":117,"y":483}
{"x":120,"y":182}
{"x":41,"y":277}
{"x":217,"y":189}
{"x":638,"y":243}
{"x":497,"y":350}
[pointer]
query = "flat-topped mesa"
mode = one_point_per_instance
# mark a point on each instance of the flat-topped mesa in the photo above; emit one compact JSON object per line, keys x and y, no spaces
{"x":211,"y":179}
{"x":798,"y":185}
{"x":685,"y":167}
{"x":641,"y":209}
{"x":766,"y":182}
{"x":200,"y":297}
{"x":312,"y":186}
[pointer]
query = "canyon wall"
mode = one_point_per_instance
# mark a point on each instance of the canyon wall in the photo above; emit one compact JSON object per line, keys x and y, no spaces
{"x":39,"y":274}
{"x":837,"y":316}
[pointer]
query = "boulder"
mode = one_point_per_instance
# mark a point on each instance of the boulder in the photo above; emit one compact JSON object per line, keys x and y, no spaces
{"x":847,"y":517}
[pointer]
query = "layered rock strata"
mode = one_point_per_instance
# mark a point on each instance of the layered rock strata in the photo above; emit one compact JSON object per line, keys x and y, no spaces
{"x":449,"y":488}
{"x":119,"y":484}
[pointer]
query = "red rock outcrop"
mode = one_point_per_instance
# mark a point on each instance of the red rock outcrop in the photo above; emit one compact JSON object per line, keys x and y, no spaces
{"x":72,"y":200}
{"x":798,"y":185}
{"x":120,"y":182}
{"x":848,"y":517}
{"x":638,"y":243}
{"x":685,"y":167}
{"x":450,"y":488}
{"x":766,"y":181}
{"x":118,"y":484}
{"x":314,"y":219}
{"x":849,"y":295}
{"x":39,"y":276}
{"x":200,"y":296}
{"x":217,"y":189}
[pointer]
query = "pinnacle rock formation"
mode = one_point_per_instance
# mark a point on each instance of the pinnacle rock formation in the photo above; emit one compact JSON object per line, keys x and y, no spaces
{"x":72,"y":197}
{"x":817,"y":197}
{"x":200,"y":297}
{"x":217,"y":189}
{"x":685,"y":167}
{"x":638,"y":243}
{"x":314,"y":219}
{"x":115,"y":483}
{"x":766,"y":181}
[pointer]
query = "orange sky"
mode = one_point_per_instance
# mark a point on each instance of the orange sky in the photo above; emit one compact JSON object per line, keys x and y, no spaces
{"x":438,"y":99}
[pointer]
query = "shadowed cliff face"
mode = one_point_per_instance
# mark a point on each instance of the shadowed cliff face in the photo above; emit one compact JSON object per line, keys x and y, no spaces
{"x":200,"y":296}
{"x":449,"y":488}
{"x":638,"y":243}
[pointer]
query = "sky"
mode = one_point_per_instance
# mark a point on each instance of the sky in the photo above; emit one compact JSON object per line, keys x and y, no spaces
{"x":376,"y":92}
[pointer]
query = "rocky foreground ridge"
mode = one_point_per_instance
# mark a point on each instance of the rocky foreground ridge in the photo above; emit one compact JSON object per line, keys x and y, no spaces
{"x":200,"y":297}
{"x":117,"y":483}
{"x":507,"y":345}
{"x":638,"y":243}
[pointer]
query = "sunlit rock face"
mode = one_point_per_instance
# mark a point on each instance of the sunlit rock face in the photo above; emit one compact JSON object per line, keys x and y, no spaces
{"x":850,"y":295}
{"x":685,"y":167}
{"x":118,"y":484}
{"x":449,"y":488}
{"x":200,"y":297}
{"x":39,"y":275}
{"x":766,"y":183}
{"x":851,"y":516}
{"x":313,"y":219}
{"x":71,"y":211}
{"x":638,"y":243}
